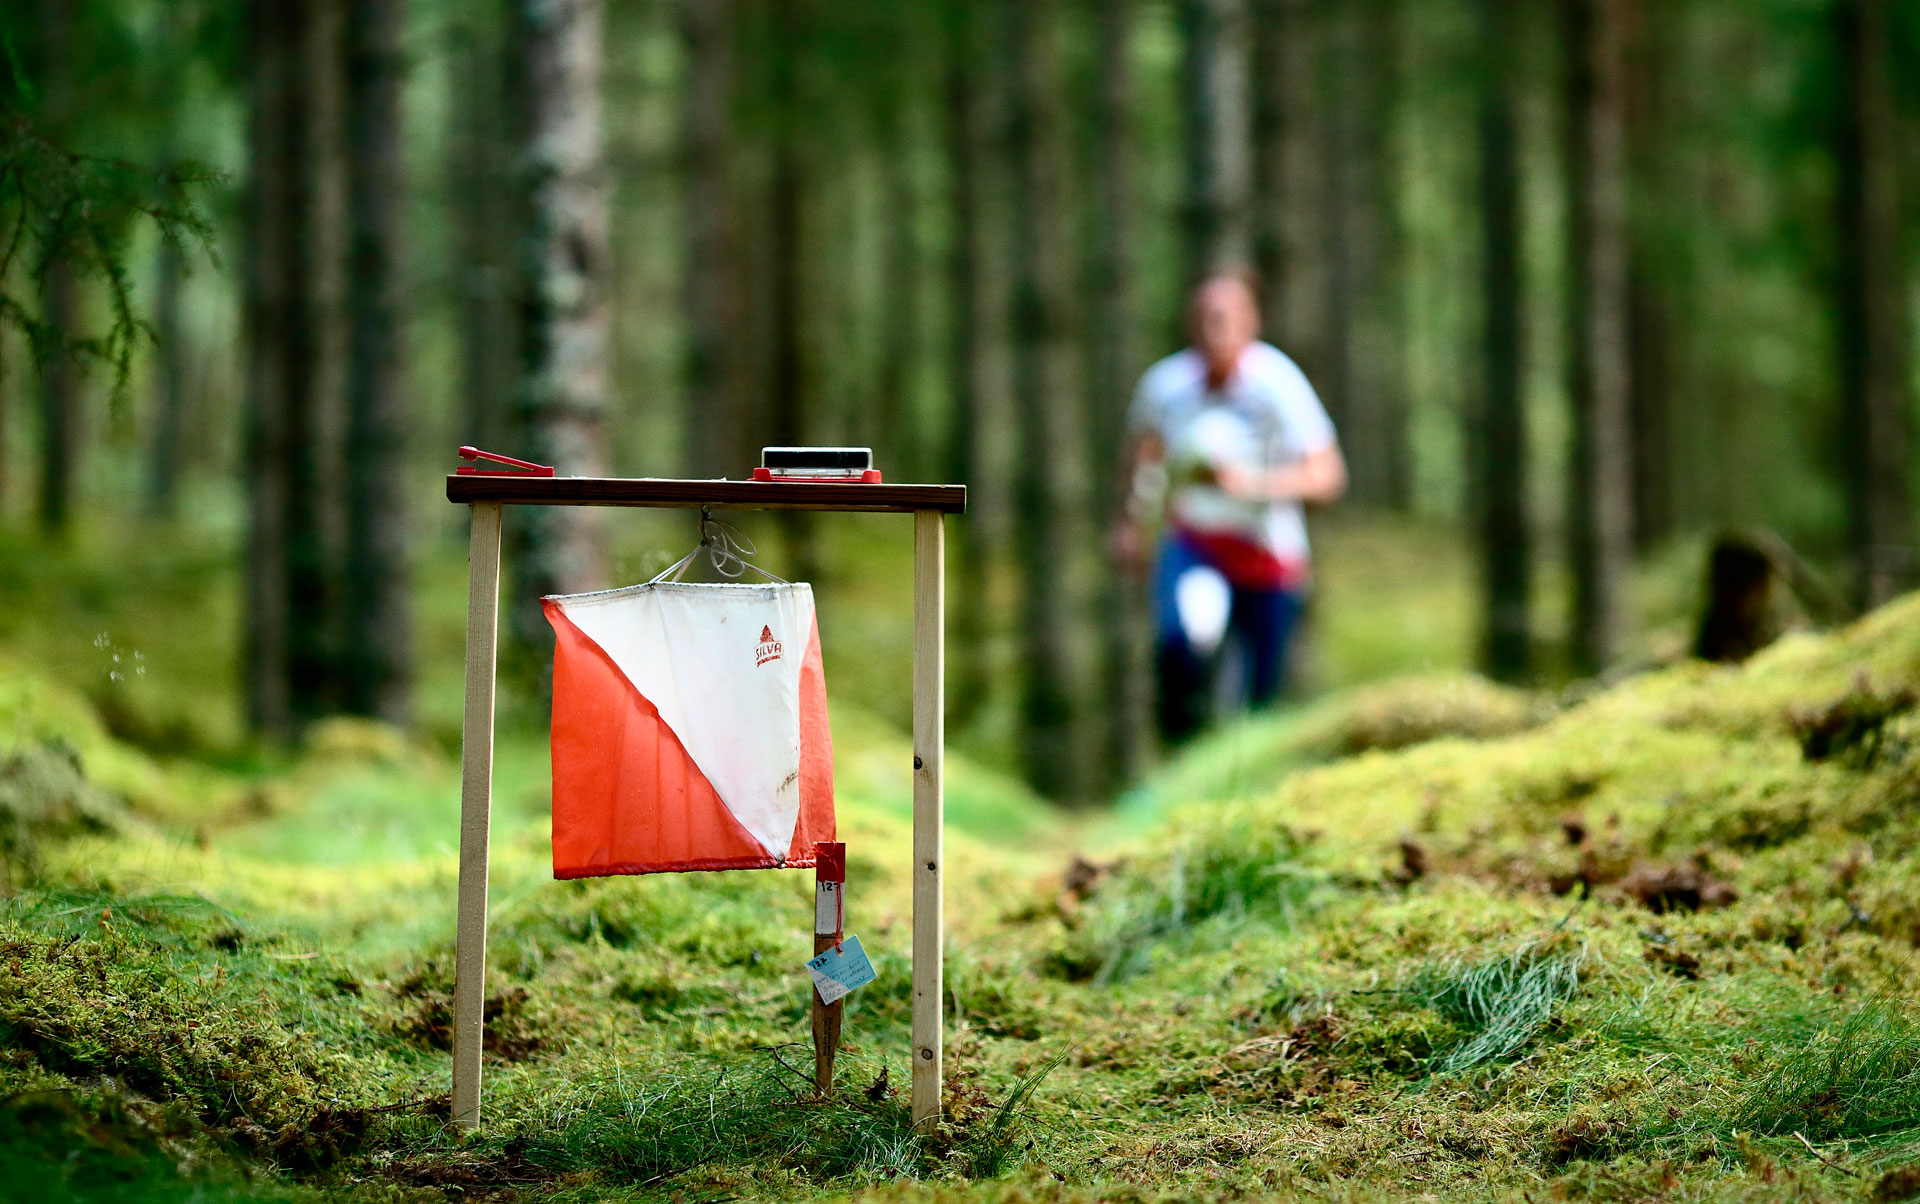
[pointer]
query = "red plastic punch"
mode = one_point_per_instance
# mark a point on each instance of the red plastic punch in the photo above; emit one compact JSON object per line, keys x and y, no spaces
{"x":518,"y":468}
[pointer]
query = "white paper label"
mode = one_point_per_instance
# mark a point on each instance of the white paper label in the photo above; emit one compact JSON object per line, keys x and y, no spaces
{"x":829,"y":907}
{"x":838,"y":971}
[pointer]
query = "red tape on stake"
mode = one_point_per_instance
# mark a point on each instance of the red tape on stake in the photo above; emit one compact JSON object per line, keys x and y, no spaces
{"x":830,"y":865}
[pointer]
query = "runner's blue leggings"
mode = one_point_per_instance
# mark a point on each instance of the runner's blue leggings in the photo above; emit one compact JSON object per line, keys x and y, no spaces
{"x":1261,"y":623}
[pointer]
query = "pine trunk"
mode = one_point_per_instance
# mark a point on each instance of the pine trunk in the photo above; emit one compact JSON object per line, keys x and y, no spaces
{"x":967,"y":676}
{"x":379,"y":647}
{"x":1873,"y":327}
{"x":477,"y":163}
{"x":560,"y":399}
{"x":1497,"y":472}
{"x":1049,"y":753}
{"x":1127,"y":676}
{"x":1214,"y":126}
{"x":718,"y":441}
{"x":786,"y":197}
{"x":58,"y":399}
{"x":169,"y":383}
{"x":275,"y":291}
{"x":1600,"y":491}
{"x":315,"y":368}
{"x":893,"y":430}
{"x":59,"y":443}
{"x":1290,"y":195}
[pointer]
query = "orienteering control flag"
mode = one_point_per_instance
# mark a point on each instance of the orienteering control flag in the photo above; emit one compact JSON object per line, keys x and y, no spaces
{"x":689,"y":729}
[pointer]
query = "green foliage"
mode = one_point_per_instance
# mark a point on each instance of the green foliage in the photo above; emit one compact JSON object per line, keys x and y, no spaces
{"x":63,"y":210}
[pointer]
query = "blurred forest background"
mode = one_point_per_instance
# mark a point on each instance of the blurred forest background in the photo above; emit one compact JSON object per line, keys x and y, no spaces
{"x":1582,"y":283}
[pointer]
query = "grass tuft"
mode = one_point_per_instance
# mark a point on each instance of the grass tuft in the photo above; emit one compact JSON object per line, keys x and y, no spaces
{"x":1502,"y":1002}
{"x":1858,"y":1077}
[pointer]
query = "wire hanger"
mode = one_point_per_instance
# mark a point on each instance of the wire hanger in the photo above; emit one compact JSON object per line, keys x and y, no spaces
{"x":726,"y":549}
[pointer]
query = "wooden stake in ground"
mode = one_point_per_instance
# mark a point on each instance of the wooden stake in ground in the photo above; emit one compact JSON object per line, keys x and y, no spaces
{"x":476,"y":811}
{"x":829,"y":925}
{"x":929,"y":752}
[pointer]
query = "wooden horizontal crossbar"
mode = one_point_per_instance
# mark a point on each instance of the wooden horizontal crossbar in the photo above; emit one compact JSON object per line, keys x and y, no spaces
{"x":732,"y":495}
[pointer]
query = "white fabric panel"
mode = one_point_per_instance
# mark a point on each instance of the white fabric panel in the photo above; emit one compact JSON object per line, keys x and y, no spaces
{"x":695,"y":652}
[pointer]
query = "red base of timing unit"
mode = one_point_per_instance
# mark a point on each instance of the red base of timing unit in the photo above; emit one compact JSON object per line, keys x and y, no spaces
{"x":870,"y":477}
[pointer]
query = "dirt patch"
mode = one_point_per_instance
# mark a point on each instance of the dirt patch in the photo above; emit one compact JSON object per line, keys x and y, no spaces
{"x":1686,"y":886}
{"x":514,"y":1032}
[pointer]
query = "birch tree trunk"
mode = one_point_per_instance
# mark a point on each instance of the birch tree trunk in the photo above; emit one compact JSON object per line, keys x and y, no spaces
{"x":1872,"y":310}
{"x":1498,"y":441}
{"x":560,"y":401}
{"x":1600,"y":492}
{"x":379,"y":645}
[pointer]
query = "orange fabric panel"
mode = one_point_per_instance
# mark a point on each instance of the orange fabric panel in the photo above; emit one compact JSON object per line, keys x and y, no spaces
{"x":627,"y":799}
{"x":816,"y":757}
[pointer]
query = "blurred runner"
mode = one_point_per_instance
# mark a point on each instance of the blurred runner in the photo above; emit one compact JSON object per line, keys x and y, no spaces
{"x":1231,"y":438}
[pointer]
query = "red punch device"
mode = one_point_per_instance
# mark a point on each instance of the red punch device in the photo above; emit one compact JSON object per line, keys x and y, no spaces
{"x":840,"y":465}
{"x":515,"y":468}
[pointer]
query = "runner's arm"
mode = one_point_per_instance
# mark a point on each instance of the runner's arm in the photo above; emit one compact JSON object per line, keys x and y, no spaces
{"x":1145,"y":451}
{"x":1318,"y":477}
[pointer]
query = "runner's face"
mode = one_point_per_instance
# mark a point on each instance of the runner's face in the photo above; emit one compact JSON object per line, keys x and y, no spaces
{"x":1225,"y":322}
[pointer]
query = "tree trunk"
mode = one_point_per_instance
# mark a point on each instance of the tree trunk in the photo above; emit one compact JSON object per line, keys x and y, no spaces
{"x":59,"y":443}
{"x":786,"y":200}
{"x":1498,"y":472}
{"x":1214,"y":126}
{"x":1600,"y":492}
{"x":1127,"y":676}
{"x":1381,"y":45}
{"x":1352,"y":168}
{"x":169,"y":383}
{"x":900,"y":270}
{"x":379,"y":645}
{"x":276,"y":283}
{"x":561,"y":297}
{"x":718,"y":441}
{"x":314,"y":145}
{"x":1050,"y":750}
{"x":967,"y":676}
{"x":58,"y":400}
{"x":478,"y":154}
{"x":1649,"y":312}
{"x":1290,"y":192}
{"x":1873,"y":327}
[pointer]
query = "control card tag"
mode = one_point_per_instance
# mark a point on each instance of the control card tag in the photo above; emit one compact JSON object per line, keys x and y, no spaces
{"x":837,"y":972}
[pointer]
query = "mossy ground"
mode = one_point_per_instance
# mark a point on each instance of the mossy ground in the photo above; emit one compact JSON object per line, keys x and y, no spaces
{"x":1424,"y":940}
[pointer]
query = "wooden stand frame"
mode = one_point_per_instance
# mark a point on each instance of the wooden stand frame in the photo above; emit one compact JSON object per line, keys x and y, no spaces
{"x":929,"y":505}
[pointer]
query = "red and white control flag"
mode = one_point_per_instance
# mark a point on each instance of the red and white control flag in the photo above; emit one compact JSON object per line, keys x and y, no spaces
{"x":689,"y":729}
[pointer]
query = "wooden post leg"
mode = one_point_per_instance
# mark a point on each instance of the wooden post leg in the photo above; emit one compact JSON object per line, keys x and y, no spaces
{"x":829,"y":918}
{"x":929,"y":748}
{"x":476,"y":809}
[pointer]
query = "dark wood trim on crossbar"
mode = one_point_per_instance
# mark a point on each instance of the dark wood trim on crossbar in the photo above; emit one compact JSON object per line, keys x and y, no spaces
{"x":731,"y":495}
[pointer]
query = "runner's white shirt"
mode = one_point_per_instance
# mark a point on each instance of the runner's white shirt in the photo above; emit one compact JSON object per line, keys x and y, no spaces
{"x":1280,"y":420}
